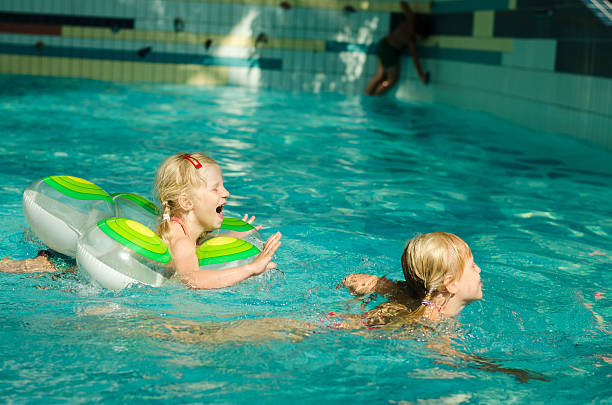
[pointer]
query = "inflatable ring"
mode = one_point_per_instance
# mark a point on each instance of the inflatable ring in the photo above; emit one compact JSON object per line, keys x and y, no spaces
{"x":240,"y":229}
{"x":60,"y":208}
{"x":118,"y":252}
{"x":224,"y":252}
{"x":137,"y":208}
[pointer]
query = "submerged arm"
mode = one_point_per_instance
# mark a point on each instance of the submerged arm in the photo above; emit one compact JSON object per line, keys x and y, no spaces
{"x":482,"y":363}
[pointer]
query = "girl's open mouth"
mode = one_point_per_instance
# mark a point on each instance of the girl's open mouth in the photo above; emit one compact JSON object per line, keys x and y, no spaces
{"x":220,"y":211}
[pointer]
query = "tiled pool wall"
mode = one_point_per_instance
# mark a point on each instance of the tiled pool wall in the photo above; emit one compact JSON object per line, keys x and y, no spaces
{"x":544,"y":64}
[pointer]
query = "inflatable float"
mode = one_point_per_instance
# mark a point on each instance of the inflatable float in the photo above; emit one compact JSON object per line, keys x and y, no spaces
{"x":111,"y":235}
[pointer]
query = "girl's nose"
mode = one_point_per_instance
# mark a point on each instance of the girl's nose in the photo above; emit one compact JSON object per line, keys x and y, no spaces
{"x":225,"y":193}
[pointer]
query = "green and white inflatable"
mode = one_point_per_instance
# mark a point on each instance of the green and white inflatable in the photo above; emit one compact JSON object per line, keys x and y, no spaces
{"x":137,"y":208}
{"x":59,"y":209}
{"x":118,"y":252}
{"x":240,"y":229}
{"x":224,"y":252}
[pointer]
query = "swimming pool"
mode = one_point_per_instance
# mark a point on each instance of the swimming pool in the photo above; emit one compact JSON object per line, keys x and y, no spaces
{"x":347,"y":180}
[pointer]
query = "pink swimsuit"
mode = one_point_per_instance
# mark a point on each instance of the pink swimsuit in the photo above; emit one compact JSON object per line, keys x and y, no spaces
{"x":178,"y":221}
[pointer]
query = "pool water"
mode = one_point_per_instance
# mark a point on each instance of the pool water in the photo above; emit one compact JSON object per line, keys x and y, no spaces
{"x":347,"y":180}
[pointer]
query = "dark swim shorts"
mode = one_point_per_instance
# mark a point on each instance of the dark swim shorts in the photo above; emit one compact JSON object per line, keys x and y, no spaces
{"x":388,"y":55}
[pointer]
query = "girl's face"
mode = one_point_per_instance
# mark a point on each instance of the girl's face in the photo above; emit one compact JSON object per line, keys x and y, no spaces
{"x":469,"y":286}
{"x":209,"y":200}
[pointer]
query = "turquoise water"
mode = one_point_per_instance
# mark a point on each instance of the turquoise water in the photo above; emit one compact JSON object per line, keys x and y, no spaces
{"x":347,"y":180}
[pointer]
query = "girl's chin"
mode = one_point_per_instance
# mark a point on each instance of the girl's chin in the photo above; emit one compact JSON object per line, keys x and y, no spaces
{"x":217,"y":224}
{"x":210,"y":227}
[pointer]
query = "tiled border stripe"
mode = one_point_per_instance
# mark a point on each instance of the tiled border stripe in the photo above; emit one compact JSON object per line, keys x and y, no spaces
{"x":475,"y":50}
{"x":358,"y":5}
{"x":58,"y":19}
{"x":114,"y":70}
{"x":34,"y":29}
{"x":484,"y":22}
{"x":383,"y":6}
{"x":443,"y":41}
{"x":192,"y":38}
{"x":469,"y":5}
{"x":460,"y":55}
{"x":132,"y":56}
{"x":471,"y":43}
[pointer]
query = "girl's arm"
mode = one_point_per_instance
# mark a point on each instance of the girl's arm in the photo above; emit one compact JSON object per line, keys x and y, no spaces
{"x":187,"y":268}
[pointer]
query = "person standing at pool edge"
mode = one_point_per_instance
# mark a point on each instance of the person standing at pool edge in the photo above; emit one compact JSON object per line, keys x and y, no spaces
{"x":192,"y":196}
{"x":389,"y":53}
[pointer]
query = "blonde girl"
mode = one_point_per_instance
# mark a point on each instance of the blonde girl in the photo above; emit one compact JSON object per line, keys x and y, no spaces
{"x":441,"y":279}
{"x":192,"y":196}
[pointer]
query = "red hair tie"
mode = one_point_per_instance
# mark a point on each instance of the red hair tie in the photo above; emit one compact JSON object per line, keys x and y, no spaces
{"x":195,"y":162}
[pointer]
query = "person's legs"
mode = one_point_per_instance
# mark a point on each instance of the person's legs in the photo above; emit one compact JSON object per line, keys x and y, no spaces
{"x":38,"y":264}
{"x":375,"y":81}
{"x":46,"y":261}
{"x":392,"y":77}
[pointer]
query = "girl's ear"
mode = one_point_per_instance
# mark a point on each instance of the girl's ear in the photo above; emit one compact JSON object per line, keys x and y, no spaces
{"x":185,"y":202}
{"x":450,"y":284}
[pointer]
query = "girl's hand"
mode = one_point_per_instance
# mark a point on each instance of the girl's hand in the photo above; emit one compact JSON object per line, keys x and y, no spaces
{"x":248,"y":220}
{"x":244,"y":234}
{"x":359,"y":284}
{"x":263,"y":260}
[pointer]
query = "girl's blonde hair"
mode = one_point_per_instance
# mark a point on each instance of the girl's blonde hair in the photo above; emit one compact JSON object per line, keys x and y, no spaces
{"x":426,"y":261}
{"x":176,"y":175}
{"x":429,"y":259}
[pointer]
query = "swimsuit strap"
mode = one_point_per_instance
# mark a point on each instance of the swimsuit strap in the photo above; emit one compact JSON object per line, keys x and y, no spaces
{"x":178,"y":221}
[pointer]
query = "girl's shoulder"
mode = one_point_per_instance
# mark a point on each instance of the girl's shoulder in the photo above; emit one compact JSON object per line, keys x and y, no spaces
{"x":180,"y":245}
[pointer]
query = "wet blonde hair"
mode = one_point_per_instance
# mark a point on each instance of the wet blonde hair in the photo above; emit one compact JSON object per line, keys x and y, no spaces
{"x":426,"y":261}
{"x":176,"y":175}
{"x":429,"y":259}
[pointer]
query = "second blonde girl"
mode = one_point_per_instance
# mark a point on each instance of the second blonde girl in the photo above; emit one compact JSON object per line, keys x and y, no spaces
{"x":192,"y":195}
